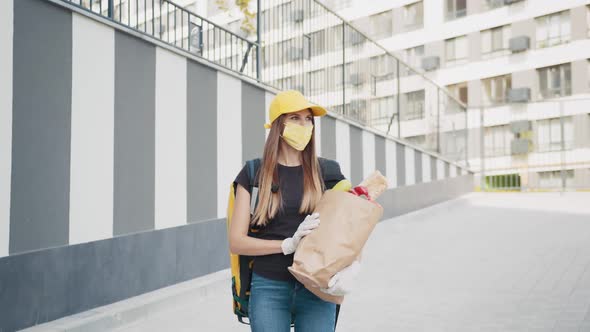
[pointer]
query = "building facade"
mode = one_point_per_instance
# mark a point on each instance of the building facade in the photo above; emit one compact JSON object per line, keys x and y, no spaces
{"x":521,"y":67}
{"x":500,"y":85}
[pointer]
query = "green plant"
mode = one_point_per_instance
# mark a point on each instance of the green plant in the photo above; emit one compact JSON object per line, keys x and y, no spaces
{"x":247,"y":24}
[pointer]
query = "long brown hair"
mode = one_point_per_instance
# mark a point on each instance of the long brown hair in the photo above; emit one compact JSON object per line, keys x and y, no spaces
{"x":269,"y":203}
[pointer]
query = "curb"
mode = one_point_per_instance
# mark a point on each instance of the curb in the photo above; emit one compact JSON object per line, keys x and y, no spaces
{"x":139,"y":307}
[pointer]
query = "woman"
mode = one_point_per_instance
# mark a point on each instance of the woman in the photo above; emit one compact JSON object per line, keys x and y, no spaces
{"x":284,"y":217}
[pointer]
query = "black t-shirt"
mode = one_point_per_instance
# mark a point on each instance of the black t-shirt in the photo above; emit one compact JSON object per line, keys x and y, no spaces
{"x":284,"y":224}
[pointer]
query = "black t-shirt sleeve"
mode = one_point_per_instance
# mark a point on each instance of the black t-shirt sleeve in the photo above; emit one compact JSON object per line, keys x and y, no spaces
{"x":243,"y":178}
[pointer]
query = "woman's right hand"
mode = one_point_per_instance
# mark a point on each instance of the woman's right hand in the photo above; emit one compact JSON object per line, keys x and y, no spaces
{"x":290,"y":244}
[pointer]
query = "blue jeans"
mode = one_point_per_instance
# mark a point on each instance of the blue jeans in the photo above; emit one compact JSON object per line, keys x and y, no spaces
{"x":272,"y":302}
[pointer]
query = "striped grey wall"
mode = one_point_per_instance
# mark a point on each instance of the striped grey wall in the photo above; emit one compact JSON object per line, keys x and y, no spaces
{"x":357,"y":150}
{"x":42,"y":86}
{"x":253,"y":118}
{"x":432,"y":168}
{"x":135,"y":78}
{"x":418,"y":166}
{"x":6,"y":37}
{"x":201,"y":138}
{"x":401,"y":200}
{"x":400,"y":151}
{"x":328,"y":142}
{"x":380,"y":153}
{"x":356,"y":155}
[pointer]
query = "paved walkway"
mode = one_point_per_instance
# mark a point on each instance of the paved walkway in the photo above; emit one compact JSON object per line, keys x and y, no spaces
{"x":483,"y":262}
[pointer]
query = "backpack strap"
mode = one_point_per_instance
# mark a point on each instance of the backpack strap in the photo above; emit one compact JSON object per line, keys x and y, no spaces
{"x":253,"y":166}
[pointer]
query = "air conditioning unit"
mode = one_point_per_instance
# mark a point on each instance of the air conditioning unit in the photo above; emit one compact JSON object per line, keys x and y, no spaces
{"x":519,"y":95}
{"x":520,"y":126}
{"x":509,"y":2}
{"x":297,"y":15}
{"x":430,"y":63}
{"x":357,"y":79}
{"x":519,"y":44}
{"x":295,"y":53}
{"x":520,"y":146}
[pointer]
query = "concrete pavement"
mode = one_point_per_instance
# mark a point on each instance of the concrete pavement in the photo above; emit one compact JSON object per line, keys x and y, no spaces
{"x":482,"y":262}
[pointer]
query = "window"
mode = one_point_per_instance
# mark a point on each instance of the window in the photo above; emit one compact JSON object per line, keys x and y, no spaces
{"x":549,"y":134}
{"x":334,"y":38}
{"x":382,"y":66}
{"x":553,"y":29}
{"x":494,"y":89}
{"x":455,"y":9}
{"x":555,"y":81}
{"x":492,"y":4}
{"x":334,"y":78}
{"x":497,"y":141}
{"x":381,"y":25}
{"x":318,"y":43}
{"x":495,"y":41}
{"x":317,"y":81}
{"x":382,"y":108}
{"x":414,"y":16}
{"x":284,"y":83}
{"x":413,"y":57}
{"x":453,"y":144}
{"x":413,"y":105}
{"x":588,"y":19}
{"x":459,"y":91}
{"x":456,"y":49}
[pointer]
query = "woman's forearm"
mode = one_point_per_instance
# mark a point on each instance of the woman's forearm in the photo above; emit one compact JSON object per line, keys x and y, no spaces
{"x":249,"y":246}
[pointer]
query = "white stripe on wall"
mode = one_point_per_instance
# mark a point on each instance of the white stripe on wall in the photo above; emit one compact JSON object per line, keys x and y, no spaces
{"x":440,"y":169}
{"x":170,"y":166}
{"x":6,"y":33}
{"x":391,"y":163}
{"x":453,"y":171}
{"x":92,"y":141}
{"x":368,"y":153}
{"x":426,"y":168}
{"x":229,"y":136}
{"x":267,"y":100}
{"x":343,"y":147}
{"x":318,"y":135}
{"x":410,"y":169}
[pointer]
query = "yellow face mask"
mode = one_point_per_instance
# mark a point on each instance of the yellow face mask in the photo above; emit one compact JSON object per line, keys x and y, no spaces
{"x":296,"y":135}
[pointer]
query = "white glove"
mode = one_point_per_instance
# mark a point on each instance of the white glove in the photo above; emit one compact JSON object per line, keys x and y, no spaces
{"x":289,"y":245}
{"x":343,"y":281}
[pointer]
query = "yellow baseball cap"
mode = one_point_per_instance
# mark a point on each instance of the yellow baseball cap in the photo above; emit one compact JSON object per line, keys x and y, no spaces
{"x":290,"y":101}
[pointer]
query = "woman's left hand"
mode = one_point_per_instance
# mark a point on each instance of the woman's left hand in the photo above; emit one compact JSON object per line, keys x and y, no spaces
{"x":343,"y":281}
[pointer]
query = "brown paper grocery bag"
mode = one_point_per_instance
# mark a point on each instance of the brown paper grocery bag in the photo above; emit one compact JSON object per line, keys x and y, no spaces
{"x":346,"y":221}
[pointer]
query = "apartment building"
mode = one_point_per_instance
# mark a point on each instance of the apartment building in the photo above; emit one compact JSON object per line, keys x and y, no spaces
{"x":519,"y":69}
{"x":522,"y":66}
